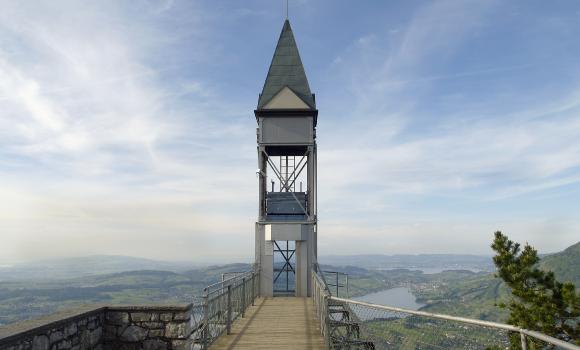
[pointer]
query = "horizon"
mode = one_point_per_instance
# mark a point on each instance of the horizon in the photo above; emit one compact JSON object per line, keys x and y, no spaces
{"x":8,"y":264}
{"x":127,"y":128}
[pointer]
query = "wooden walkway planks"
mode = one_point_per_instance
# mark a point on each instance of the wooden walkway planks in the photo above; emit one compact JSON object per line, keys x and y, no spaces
{"x":275,"y":323}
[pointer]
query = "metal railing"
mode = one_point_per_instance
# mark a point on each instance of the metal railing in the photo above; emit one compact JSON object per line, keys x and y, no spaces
{"x":228,"y":275}
{"x":222,"y":303}
{"x":387,"y":325}
{"x":351,"y":324}
{"x":321,"y":295}
{"x":337,"y":283}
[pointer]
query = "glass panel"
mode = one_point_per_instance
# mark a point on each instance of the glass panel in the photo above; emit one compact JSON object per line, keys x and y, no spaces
{"x":284,"y":267}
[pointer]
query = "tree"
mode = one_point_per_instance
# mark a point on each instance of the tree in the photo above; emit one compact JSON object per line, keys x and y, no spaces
{"x":539,"y":302}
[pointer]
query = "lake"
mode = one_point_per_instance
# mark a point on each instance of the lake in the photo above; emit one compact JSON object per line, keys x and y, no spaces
{"x":430,"y":270}
{"x":398,"y":297}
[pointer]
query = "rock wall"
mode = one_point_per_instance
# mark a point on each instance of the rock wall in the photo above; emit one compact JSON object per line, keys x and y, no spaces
{"x":104,"y":328}
{"x":148,"y":328}
{"x":82,"y":330}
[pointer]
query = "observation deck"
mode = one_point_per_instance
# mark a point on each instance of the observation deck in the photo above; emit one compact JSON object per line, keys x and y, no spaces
{"x":275,"y":323}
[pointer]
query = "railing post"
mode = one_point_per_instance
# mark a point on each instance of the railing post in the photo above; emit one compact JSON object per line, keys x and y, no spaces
{"x":524,"y":341}
{"x":327,"y":322}
{"x":253,"y":287}
{"x":229,"y":310}
{"x":243,"y":297}
{"x":205,"y":320}
{"x":337,"y":284}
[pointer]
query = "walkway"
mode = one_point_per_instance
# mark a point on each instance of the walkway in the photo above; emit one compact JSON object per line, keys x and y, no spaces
{"x":275,"y":323}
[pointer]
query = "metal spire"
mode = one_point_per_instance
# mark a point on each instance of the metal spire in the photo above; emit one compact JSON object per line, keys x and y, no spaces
{"x":286,"y":9}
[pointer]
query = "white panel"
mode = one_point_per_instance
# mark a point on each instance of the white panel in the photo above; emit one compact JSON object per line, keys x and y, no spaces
{"x":307,"y":232}
{"x":286,"y":232}
{"x":268,"y":232}
{"x":286,"y":99}
{"x":268,"y":248}
{"x":287,"y":130}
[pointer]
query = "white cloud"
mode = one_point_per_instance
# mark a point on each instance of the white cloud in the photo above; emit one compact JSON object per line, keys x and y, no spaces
{"x":94,"y":144}
{"x":526,"y":144}
{"x":113,"y":133}
{"x":391,"y":145}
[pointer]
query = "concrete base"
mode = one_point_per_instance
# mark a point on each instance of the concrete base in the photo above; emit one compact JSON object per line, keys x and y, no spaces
{"x":303,"y":235}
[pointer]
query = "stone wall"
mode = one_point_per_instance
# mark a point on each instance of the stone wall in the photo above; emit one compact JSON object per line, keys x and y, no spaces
{"x":77,"y":329}
{"x":104,"y":328}
{"x":148,"y":328}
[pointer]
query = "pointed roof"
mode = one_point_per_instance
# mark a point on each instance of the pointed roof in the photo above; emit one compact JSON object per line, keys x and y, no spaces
{"x":286,"y":70}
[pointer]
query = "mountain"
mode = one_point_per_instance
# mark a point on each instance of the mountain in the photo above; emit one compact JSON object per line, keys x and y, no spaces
{"x":476,"y":296}
{"x":441,"y":261}
{"x":22,"y":299}
{"x":39,"y":288}
{"x":85,"y":266}
{"x":565,"y":264}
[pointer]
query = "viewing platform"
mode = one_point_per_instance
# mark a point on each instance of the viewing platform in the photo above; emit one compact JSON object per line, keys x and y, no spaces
{"x":275,"y":323}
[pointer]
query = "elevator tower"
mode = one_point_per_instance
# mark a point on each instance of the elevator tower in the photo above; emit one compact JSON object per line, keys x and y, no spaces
{"x":286,"y":135}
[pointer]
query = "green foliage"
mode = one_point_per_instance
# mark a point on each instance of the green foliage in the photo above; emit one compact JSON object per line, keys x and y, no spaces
{"x":565,"y":264}
{"x":539,"y":302}
{"x":473,"y":296}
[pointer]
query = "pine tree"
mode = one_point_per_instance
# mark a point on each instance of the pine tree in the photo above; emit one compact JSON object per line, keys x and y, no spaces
{"x":539,"y":302}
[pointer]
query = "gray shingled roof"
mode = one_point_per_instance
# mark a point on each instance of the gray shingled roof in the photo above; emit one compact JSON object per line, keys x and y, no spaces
{"x":286,"y":70}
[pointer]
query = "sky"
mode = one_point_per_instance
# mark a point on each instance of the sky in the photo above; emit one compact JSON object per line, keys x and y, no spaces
{"x":127,"y":127}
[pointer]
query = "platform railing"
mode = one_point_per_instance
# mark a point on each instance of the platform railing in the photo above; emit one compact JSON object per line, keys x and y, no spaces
{"x":412,"y":329}
{"x":222,"y":303}
{"x":321,"y":295}
{"x":337,"y":282}
{"x":352,"y":324}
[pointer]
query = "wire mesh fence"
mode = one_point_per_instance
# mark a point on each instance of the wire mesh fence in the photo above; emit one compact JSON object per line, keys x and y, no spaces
{"x":351,"y":324}
{"x":383,"y":327}
{"x":398,"y":330}
{"x":222,"y":303}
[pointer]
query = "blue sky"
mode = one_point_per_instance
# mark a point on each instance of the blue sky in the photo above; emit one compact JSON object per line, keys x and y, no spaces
{"x":126,"y":127}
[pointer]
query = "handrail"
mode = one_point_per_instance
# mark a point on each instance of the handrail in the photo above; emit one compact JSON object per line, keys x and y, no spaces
{"x":533,"y":334}
{"x":234,"y":273}
{"x":224,"y":283}
{"x":338,"y":285}
{"x":223,"y":302}
{"x":320,"y":275}
{"x":321,"y":295}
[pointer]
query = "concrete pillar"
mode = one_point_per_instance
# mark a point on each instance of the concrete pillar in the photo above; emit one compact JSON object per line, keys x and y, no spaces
{"x":265,"y":258}
{"x":302,"y":268}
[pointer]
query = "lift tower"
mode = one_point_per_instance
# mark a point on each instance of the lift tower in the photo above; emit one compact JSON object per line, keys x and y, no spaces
{"x":286,"y":135}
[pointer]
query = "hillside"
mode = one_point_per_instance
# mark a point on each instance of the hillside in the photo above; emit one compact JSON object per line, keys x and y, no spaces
{"x":23,"y":299}
{"x":473,"y":296}
{"x":476,"y":296}
{"x":409,"y":261}
{"x":35,"y":289}
{"x":565,"y":264}
{"x":86,"y":266}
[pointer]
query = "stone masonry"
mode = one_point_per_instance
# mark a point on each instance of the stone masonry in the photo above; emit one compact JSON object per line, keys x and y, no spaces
{"x":104,"y":328}
{"x":148,"y":328}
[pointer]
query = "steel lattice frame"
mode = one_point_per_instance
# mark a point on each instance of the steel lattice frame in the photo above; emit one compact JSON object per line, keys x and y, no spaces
{"x":287,"y":255}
